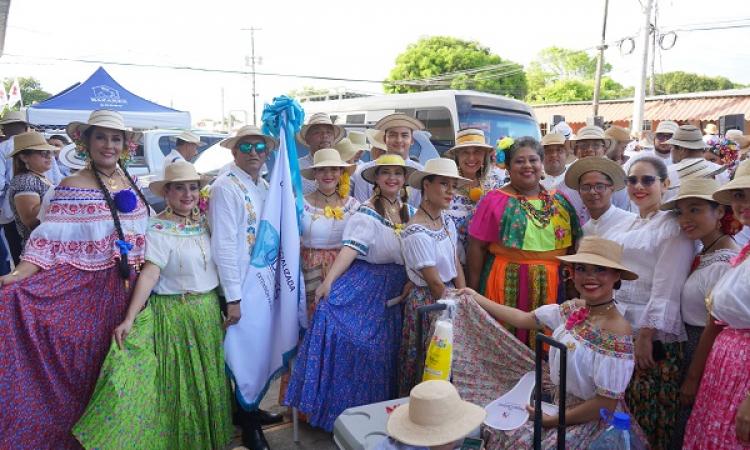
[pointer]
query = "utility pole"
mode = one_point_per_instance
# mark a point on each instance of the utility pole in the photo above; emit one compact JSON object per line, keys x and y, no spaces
{"x":651,"y":82}
{"x":640,"y":86}
{"x":600,"y":61}
{"x":252,"y":62}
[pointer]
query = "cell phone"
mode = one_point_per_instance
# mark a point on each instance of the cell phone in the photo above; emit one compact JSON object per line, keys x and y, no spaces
{"x":472,"y":444}
{"x":658,"y":352}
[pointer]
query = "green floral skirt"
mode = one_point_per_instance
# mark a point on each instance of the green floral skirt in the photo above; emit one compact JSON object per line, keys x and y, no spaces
{"x":167,"y":388}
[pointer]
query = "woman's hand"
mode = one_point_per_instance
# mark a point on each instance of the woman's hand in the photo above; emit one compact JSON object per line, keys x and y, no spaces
{"x":742,"y":421}
{"x":688,"y":391}
{"x":122,"y":331}
{"x":10,"y":279}
{"x":547,"y":420}
{"x":468,"y":291}
{"x":234,"y":313}
{"x":322,"y":291}
{"x":644,"y":348}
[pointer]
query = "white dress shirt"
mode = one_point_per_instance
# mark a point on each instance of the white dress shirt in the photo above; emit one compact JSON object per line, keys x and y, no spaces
{"x":553,"y":181}
{"x":234,"y":211}
{"x":173,"y":156}
{"x":362,"y":190}
{"x":609,"y":224}
{"x":729,"y":297}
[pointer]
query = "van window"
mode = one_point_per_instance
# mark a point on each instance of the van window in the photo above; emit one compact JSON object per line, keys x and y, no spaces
{"x":438,"y":123}
{"x":355,"y":119}
{"x":166,"y":144}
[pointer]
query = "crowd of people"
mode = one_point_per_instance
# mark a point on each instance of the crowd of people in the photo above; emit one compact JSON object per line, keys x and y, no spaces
{"x":631,"y":254}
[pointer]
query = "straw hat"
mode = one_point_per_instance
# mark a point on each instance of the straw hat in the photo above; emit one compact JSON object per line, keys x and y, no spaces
{"x":326,"y":157}
{"x":469,"y":137}
{"x":102,"y":118}
{"x":31,"y":140}
{"x":190,"y":137}
{"x":320,"y":119}
{"x":443,"y":167}
{"x":435,"y":415}
{"x":617,"y":134}
{"x":174,"y":173}
{"x":741,"y":180}
{"x":702,"y":188}
{"x":70,"y":157}
{"x":696,"y":168}
{"x":711,"y":129}
{"x":353,"y":143}
{"x":688,"y":136}
{"x":249,"y":130}
{"x":595,"y":164}
{"x":399,"y":120}
{"x":385,"y":160}
{"x":732,"y":134}
{"x":13,"y":117}
{"x":600,"y":252}
{"x":376,"y":138}
{"x":553,"y":139}
{"x":589,"y":133}
{"x":667,"y":126}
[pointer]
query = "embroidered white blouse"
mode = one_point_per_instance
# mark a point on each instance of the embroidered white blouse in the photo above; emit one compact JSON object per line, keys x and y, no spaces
{"x":235,"y":204}
{"x":429,"y":248}
{"x":712,"y":266}
{"x":656,"y":250}
{"x":375,"y":238}
{"x":729,"y":297}
{"x":609,"y":224}
{"x":599,"y":362}
{"x":78,"y":230}
{"x":322,"y":232}
{"x":183,"y":253}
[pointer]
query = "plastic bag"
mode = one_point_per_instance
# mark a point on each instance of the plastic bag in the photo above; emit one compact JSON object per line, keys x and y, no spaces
{"x":437,"y":364}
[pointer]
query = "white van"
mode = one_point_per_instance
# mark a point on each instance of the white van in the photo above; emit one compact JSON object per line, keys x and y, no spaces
{"x":443,"y":112}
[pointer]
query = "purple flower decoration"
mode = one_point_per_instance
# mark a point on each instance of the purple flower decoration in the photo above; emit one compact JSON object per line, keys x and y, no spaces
{"x":125,"y":201}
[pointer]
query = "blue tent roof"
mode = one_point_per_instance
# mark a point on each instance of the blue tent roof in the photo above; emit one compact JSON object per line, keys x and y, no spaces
{"x":101,"y":91}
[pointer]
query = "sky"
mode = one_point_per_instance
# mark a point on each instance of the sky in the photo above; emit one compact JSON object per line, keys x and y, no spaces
{"x":334,"y":38}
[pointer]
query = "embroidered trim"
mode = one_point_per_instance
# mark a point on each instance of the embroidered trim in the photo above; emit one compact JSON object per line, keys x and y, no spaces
{"x":359,"y":247}
{"x":364,"y":209}
{"x":596,"y":339}
{"x":438,"y":235}
{"x":718,"y":256}
{"x":174,"y":228}
{"x":251,"y":216}
{"x":84,"y":255}
{"x":610,"y":394}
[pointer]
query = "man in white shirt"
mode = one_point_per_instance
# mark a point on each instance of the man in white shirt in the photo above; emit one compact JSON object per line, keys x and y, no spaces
{"x":555,"y":155}
{"x":319,"y":132}
{"x":398,"y":130}
{"x":237,"y":198}
{"x":185,"y":149}
{"x":687,"y":156}
{"x":664,"y":132}
{"x":590,"y":142}
{"x":596,"y":180}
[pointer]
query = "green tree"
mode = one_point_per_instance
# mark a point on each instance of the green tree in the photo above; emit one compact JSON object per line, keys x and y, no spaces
{"x":678,"y":82}
{"x":554,"y":64}
{"x":31,"y":90}
{"x":432,"y":57}
{"x":572,"y":90}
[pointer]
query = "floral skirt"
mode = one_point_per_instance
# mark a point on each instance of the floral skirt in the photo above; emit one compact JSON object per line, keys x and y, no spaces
{"x":56,"y":327}
{"x":407,"y":361}
{"x":654,"y":397}
{"x":724,"y":386}
{"x":167,"y":389}
{"x":488,"y":361}
{"x":315,"y":266}
{"x":350,"y":352}
{"x":688,"y":349}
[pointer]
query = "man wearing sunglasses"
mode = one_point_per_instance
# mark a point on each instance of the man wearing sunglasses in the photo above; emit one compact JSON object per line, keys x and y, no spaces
{"x":237,"y":198}
{"x":319,"y":132}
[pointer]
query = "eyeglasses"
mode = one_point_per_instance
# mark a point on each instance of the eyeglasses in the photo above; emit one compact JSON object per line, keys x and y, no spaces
{"x":259,"y":147}
{"x":598,"y":187}
{"x":645,"y":180}
{"x":663,"y":136}
{"x":44,"y":153}
{"x":596,"y":145}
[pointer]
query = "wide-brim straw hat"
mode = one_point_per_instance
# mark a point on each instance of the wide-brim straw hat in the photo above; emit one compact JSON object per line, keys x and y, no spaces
{"x":386,"y":160}
{"x":688,"y":136}
{"x":320,"y":119}
{"x":190,"y":137}
{"x":442,"y":167}
{"x":470,"y":137}
{"x":102,"y":118}
{"x":617,"y":134}
{"x":327,"y":157}
{"x":435,"y":415}
{"x":743,"y":143}
{"x":595,"y":164}
{"x":70,"y":157}
{"x":399,"y":120}
{"x":250,"y":130}
{"x":177,"y":172}
{"x":349,"y":148}
{"x":376,"y":138}
{"x":31,"y":140}
{"x":13,"y":117}
{"x":702,"y":188}
{"x":553,"y":139}
{"x":741,"y":180}
{"x":600,"y":252}
{"x":711,"y":129}
{"x":591,"y":133}
{"x":696,"y":168}
{"x":666,"y":126}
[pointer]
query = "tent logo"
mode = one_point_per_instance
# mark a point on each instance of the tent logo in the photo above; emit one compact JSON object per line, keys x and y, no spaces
{"x":107,"y":96}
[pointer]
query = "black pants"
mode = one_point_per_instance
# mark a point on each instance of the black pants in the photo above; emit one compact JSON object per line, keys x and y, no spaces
{"x":14,"y":241}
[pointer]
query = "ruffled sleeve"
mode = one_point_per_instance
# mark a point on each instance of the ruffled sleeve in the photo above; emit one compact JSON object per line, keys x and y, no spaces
{"x":549,"y":316}
{"x":612,"y":374}
{"x":157,"y":248}
{"x":360,"y":232}
{"x":485,"y":224}
{"x":419,"y":251}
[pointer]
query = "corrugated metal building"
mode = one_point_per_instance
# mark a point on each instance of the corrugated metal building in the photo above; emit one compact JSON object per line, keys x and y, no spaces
{"x":699,"y":108}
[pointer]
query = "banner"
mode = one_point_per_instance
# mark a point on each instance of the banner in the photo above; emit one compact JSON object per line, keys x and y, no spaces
{"x":14,"y":95}
{"x":260,"y":346}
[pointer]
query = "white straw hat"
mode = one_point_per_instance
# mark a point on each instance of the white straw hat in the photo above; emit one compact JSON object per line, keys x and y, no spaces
{"x":386,"y":160}
{"x":190,"y":137}
{"x":320,"y":119}
{"x":435,"y":415}
{"x":70,"y":157}
{"x":591,"y":132}
{"x":176,"y":172}
{"x":667,"y":127}
{"x":376,"y":138}
{"x":443,"y":167}
{"x":702,"y":188}
{"x":326,"y":157}
{"x":553,"y":139}
{"x":469,"y":137}
{"x":600,"y":252}
{"x":399,"y":120}
{"x":595,"y":164}
{"x":741,"y":180}
{"x":102,"y":118}
{"x":13,"y":117}
{"x":249,"y":130}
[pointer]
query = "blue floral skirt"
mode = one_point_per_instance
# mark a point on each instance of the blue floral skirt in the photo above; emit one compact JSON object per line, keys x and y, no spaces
{"x":349,"y":356}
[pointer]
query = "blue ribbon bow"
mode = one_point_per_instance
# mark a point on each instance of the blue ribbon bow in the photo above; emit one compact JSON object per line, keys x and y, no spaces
{"x":124,"y":247}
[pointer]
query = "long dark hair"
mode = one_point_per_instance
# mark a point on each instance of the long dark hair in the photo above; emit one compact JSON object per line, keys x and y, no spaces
{"x":380,"y":207}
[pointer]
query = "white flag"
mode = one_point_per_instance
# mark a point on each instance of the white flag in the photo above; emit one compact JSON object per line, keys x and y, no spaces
{"x":260,"y":346}
{"x":14,"y":96}
{"x":3,"y":96}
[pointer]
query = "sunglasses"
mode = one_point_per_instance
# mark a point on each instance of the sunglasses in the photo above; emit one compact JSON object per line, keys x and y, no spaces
{"x":589,"y":145}
{"x":645,"y":180}
{"x":259,"y":147}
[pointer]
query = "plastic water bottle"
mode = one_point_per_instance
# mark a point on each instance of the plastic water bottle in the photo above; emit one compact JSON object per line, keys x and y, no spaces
{"x":618,"y":435}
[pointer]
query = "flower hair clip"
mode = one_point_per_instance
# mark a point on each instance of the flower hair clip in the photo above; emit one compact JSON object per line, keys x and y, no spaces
{"x":501,"y":147}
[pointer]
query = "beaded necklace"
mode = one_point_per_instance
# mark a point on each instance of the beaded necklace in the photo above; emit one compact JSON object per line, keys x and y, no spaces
{"x":539,"y":217}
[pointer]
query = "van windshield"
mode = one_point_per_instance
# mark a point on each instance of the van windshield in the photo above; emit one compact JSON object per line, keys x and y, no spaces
{"x":497,"y":124}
